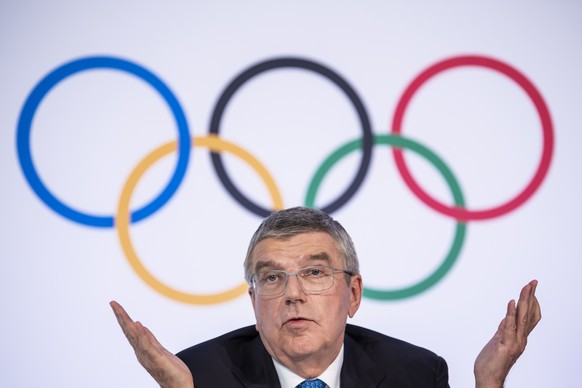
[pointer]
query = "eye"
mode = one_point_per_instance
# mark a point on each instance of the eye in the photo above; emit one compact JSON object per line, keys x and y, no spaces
{"x":314,"y":272}
{"x":271,"y":277}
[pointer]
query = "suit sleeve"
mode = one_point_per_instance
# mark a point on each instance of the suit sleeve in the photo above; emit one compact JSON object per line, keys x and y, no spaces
{"x":442,"y":374}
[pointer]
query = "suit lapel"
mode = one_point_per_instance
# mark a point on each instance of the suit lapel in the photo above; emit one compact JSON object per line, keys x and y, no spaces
{"x":358,"y":369}
{"x":254,"y":367}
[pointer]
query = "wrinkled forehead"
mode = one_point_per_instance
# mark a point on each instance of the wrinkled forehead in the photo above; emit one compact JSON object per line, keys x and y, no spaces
{"x":301,"y":250}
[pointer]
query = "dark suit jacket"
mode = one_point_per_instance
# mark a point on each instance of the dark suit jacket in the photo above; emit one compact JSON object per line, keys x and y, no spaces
{"x":371,"y":359}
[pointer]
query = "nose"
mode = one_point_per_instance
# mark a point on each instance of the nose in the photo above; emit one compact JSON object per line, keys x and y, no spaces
{"x":293,"y":291}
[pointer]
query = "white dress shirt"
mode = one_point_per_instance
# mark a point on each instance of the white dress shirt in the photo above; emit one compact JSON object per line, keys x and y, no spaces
{"x":331,"y":376}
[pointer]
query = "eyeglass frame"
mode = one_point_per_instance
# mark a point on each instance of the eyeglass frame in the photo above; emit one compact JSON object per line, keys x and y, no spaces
{"x":296,"y":273}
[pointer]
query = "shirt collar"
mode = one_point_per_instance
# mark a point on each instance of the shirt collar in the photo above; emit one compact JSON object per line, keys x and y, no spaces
{"x":331,"y":376}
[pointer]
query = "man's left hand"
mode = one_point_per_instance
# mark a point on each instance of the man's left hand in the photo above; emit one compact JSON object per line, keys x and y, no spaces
{"x":502,"y":351}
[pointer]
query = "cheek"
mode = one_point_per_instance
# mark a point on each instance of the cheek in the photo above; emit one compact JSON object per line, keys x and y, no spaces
{"x":336,"y":308}
{"x":265,"y":314}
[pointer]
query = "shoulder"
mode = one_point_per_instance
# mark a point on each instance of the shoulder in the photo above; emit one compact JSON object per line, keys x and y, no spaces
{"x":222,"y":345}
{"x":391,"y":351}
{"x":231,"y":360}
{"x":397,"y":363}
{"x":364,"y":335}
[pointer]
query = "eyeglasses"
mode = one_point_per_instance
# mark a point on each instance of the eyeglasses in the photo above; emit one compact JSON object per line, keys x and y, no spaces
{"x":273,"y":282}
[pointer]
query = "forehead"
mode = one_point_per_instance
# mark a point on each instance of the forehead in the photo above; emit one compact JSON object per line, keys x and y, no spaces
{"x":302,"y":249}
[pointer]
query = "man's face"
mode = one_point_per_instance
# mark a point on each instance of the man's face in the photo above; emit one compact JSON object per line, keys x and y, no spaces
{"x":297,"y":326}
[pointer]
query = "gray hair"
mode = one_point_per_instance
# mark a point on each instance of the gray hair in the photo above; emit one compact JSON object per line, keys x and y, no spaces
{"x":287,"y":223}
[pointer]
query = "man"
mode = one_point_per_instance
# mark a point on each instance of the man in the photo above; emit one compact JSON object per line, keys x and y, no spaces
{"x":304,"y":280}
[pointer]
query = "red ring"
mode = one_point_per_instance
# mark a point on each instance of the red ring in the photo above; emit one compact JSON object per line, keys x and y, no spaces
{"x":462,"y":214}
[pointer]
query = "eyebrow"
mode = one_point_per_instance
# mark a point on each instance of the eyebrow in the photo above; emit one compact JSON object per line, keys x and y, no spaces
{"x":268,"y":263}
{"x":322,"y":256}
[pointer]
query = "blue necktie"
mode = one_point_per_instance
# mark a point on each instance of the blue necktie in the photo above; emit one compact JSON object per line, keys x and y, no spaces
{"x":317,"y":383}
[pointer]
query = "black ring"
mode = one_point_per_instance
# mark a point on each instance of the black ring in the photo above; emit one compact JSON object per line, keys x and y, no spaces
{"x":367,"y":140}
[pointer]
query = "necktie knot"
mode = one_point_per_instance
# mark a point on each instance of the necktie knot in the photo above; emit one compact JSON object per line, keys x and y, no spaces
{"x":317,"y":383}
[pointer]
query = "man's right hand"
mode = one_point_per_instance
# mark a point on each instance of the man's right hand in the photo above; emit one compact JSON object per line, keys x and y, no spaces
{"x":167,"y":369}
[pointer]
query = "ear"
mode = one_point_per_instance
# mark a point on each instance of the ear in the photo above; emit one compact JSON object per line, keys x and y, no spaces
{"x":252,"y":295}
{"x":356,"y":290}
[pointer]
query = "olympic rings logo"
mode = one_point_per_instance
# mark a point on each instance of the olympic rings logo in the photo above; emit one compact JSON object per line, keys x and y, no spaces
{"x":123,"y":217}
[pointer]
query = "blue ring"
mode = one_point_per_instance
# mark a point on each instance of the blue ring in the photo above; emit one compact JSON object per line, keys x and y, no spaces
{"x":42,"y":89}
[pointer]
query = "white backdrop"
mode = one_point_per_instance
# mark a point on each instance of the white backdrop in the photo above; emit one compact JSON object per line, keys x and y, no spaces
{"x":94,"y":125}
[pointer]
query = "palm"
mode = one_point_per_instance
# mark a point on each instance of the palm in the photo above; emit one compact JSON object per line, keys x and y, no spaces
{"x":502,"y":351}
{"x":167,"y":369}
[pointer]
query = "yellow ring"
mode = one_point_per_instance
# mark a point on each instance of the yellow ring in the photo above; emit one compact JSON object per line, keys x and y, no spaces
{"x":122,"y":221}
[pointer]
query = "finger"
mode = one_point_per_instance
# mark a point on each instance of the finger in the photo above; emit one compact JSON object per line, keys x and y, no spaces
{"x":509,"y":327}
{"x":127,"y":325}
{"x":120,"y":313}
{"x":145,"y":338}
{"x":523,"y":311}
{"x":534,"y":284}
{"x":535,"y":315}
{"x":501,"y":326}
{"x":150,"y":337}
{"x":141,"y":344}
{"x":152,"y":342}
{"x":537,"y":312}
{"x":532,"y":293}
{"x":529,"y":313}
{"x":151,"y":354}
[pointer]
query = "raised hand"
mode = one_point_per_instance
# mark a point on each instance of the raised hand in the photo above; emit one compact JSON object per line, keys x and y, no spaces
{"x":167,"y":369}
{"x":502,"y":351}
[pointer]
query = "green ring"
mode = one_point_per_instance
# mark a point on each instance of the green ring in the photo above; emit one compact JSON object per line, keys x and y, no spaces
{"x":460,"y":231}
